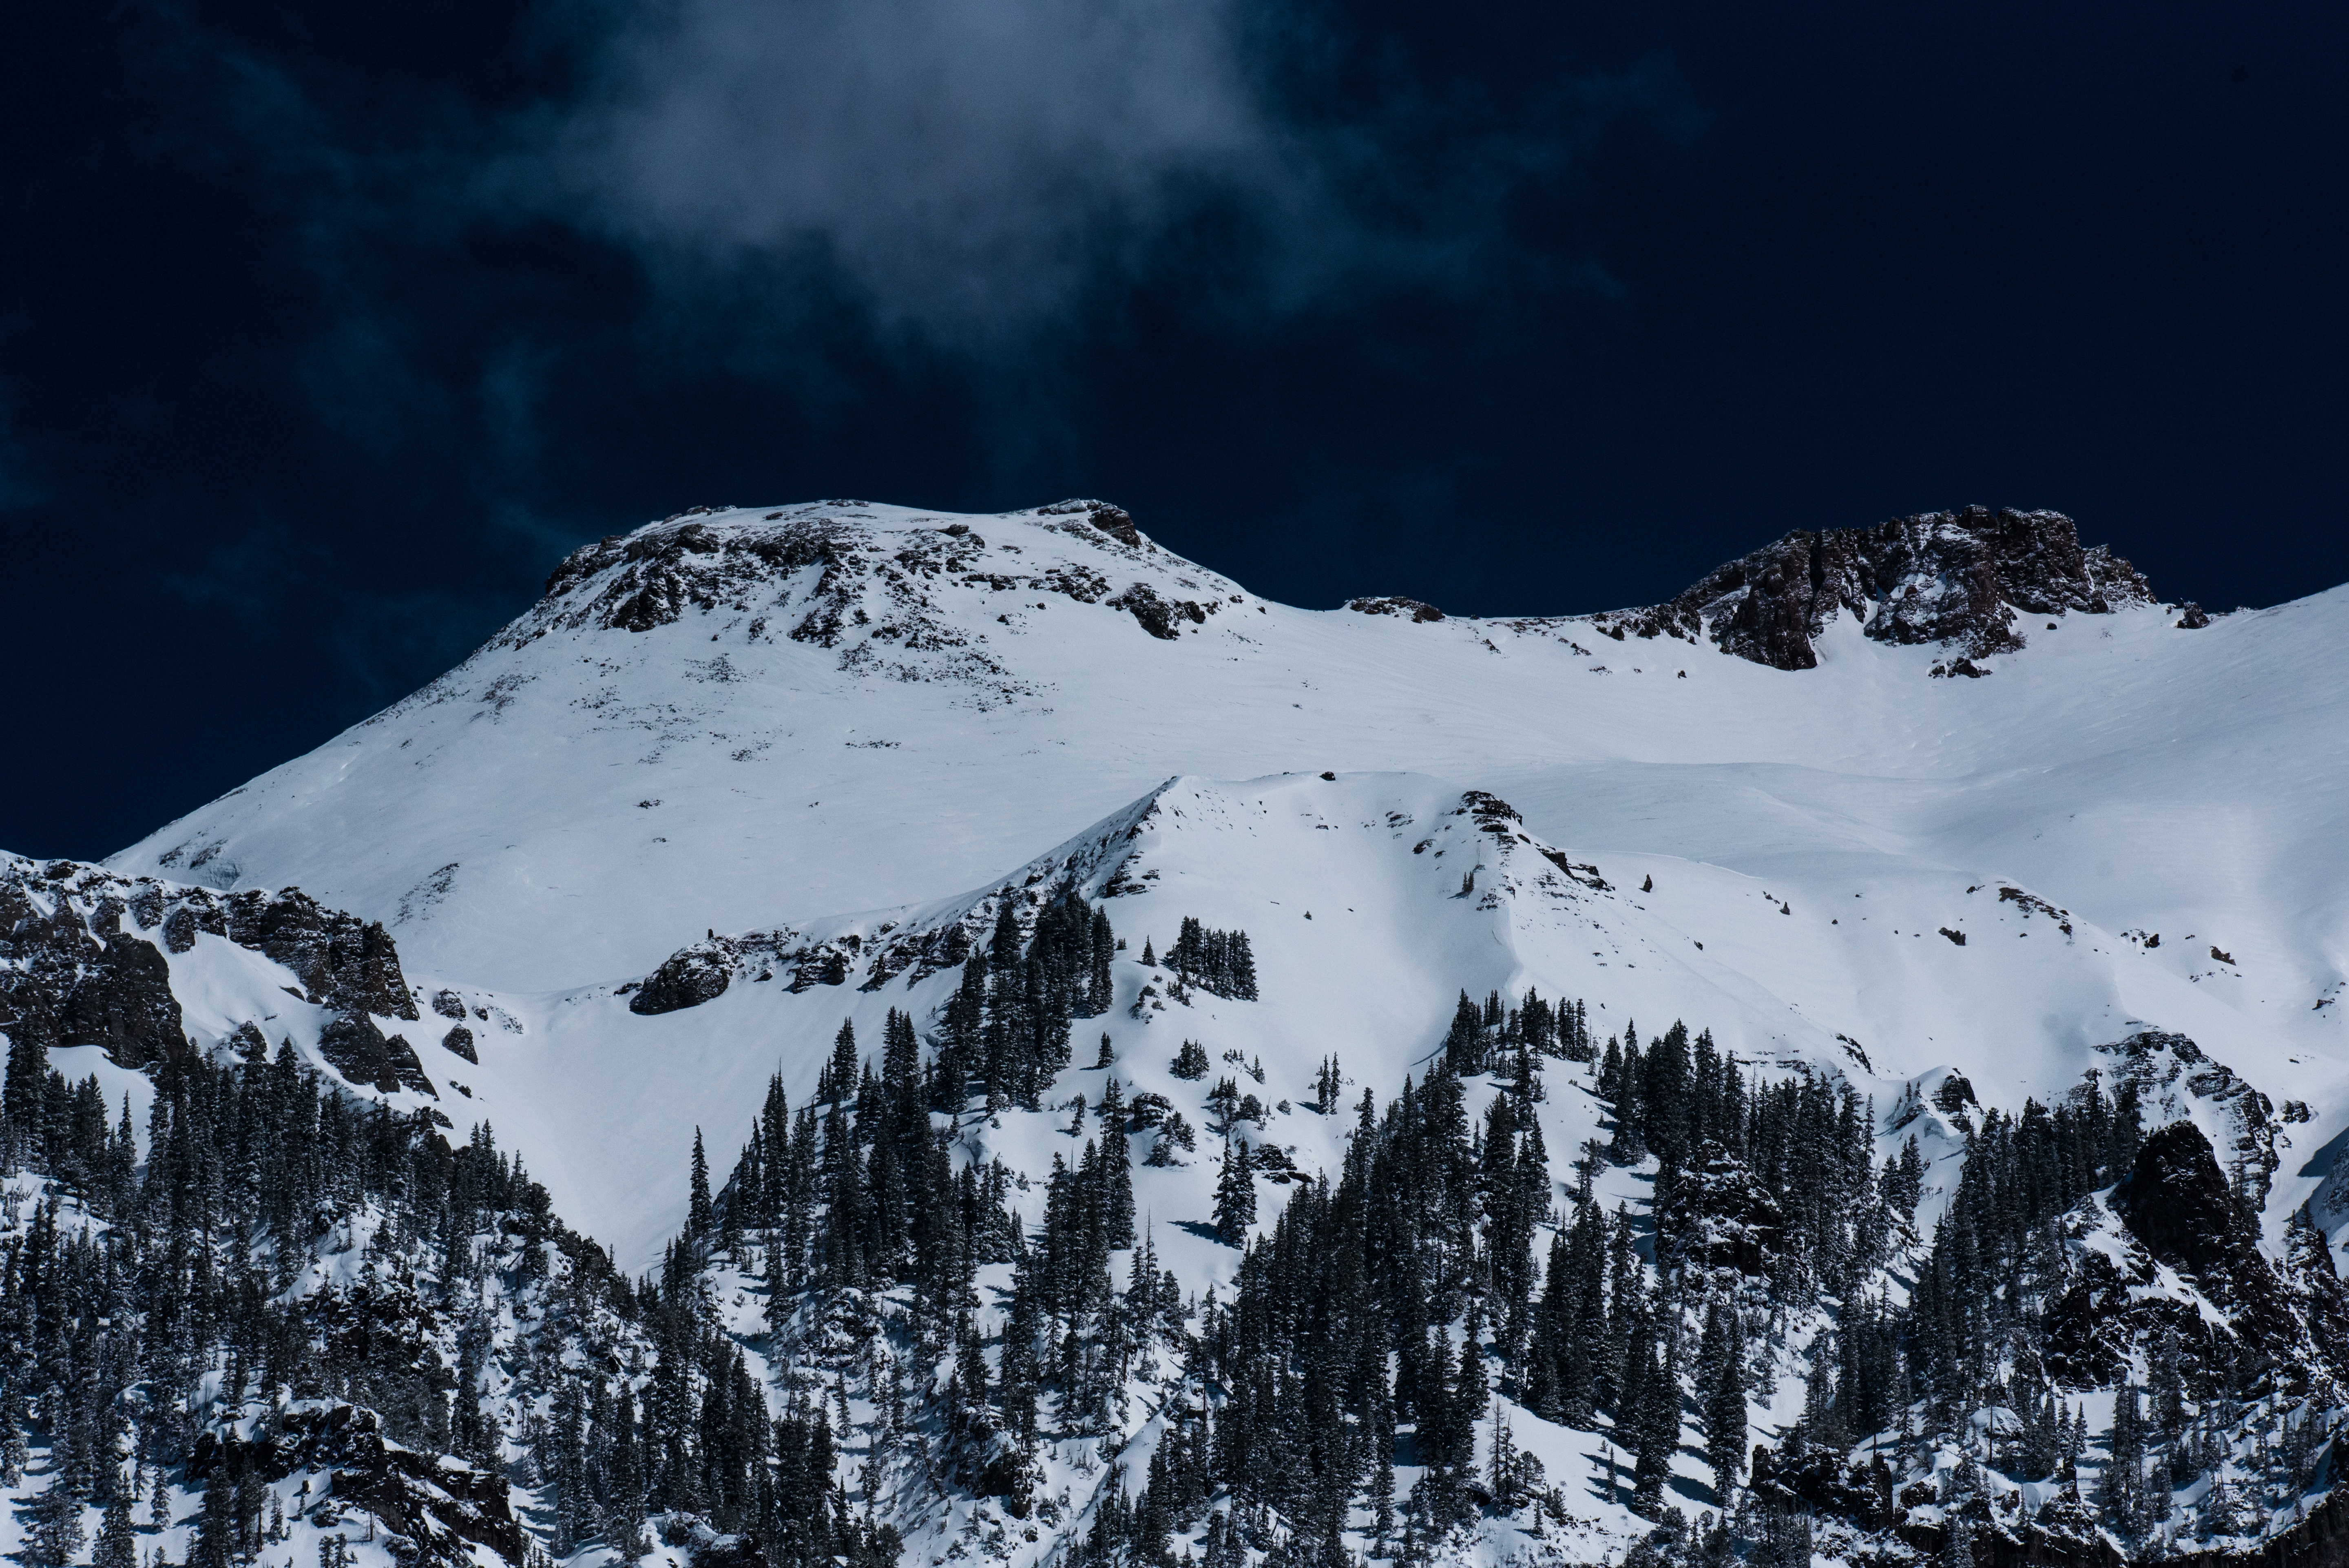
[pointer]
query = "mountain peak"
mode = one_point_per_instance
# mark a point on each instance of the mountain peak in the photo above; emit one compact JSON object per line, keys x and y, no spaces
{"x":1957,"y":578}
{"x":890,"y":587}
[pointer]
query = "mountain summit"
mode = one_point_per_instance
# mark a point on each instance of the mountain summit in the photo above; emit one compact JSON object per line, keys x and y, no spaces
{"x":1958,"y":579}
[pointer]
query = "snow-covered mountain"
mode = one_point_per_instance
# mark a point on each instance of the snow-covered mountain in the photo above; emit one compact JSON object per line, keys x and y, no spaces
{"x":746,"y":719}
{"x":1950,"y":813}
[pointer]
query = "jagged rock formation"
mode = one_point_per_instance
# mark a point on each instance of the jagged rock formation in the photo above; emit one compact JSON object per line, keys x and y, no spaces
{"x":73,"y":973}
{"x":687,"y":979}
{"x":838,"y":575}
{"x":1957,"y":578}
{"x":2176,"y":1203}
{"x":1411,"y":609}
{"x":362,"y":1053}
{"x":345,"y":961}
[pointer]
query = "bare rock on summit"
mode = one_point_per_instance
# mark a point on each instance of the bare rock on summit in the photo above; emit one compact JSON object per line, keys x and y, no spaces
{"x":1957,"y":578}
{"x":1114,"y":520}
{"x":1412,"y":609}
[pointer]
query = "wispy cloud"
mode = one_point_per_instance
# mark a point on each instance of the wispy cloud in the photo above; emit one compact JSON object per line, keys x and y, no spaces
{"x":973,"y":169}
{"x":964,"y":164}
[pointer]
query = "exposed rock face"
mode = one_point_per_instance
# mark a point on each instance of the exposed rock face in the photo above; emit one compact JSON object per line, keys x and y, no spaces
{"x":894,"y":594}
{"x":122,"y":1000}
{"x":1954,"y":578}
{"x":1412,"y":608}
{"x":1114,"y":520}
{"x":686,"y":979}
{"x":356,"y":1049}
{"x":343,"y":961}
{"x":64,"y":984}
{"x":2179,"y":1255}
{"x":2164,"y":1068}
{"x":71,"y":974}
{"x":249,"y":1042}
{"x":1158,"y":615}
{"x":440,"y":1504}
{"x":2177,"y":1202}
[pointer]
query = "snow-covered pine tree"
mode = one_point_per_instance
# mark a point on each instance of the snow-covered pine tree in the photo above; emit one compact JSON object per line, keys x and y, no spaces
{"x":1235,"y":1193}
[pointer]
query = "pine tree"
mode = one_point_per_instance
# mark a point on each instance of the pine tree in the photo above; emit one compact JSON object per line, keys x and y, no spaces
{"x":1720,"y":1398}
{"x":56,"y":1519}
{"x":1116,"y":1177}
{"x":1235,"y":1193}
{"x":701,"y":1218}
{"x":2122,"y":1496}
{"x":839,"y":1074}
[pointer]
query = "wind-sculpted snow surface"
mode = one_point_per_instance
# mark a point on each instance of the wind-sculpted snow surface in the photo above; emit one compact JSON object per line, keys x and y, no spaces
{"x":2013,"y":1008}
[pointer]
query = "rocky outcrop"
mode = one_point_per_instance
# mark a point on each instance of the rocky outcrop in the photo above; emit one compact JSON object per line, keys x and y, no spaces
{"x":69,"y":975}
{"x":1956,"y":578}
{"x":1411,"y":609}
{"x":343,"y":961}
{"x":1114,"y":520}
{"x":2172,"y":1074}
{"x":687,"y":978}
{"x":1158,"y":615}
{"x":362,"y":1053}
{"x":85,"y":960}
{"x":636,"y":581}
{"x":442,"y":1506}
{"x":2178,"y":1203}
{"x":894,"y":594}
{"x":2176,"y":1253}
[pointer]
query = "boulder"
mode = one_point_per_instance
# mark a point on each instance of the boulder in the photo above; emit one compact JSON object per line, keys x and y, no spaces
{"x":687,"y":979}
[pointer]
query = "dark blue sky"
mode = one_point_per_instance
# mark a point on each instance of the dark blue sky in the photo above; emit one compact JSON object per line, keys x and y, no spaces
{"x":326,"y":330}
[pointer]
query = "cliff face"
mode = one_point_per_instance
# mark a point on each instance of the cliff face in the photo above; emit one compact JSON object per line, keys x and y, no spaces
{"x":1958,"y":578}
{"x":86,"y":960}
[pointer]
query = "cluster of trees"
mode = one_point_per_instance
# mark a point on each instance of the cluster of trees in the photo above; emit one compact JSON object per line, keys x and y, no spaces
{"x":863,"y":1193}
{"x":1491,"y":1036}
{"x":1993,"y":1260}
{"x":690,"y":1433}
{"x":1370,"y":1329}
{"x":133,"y":1279}
{"x":1007,"y":1027}
{"x":1217,"y":961}
{"x":144,"y":1303}
{"x":1977,"y":1334}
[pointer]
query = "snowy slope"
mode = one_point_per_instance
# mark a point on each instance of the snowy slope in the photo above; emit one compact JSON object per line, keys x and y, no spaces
{"x":1352,"y":891}
{"x":845,"y":706}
